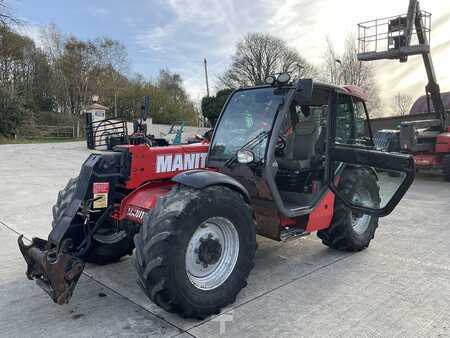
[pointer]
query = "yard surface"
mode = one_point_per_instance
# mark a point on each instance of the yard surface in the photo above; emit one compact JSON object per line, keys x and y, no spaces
{"x":400,"y":286}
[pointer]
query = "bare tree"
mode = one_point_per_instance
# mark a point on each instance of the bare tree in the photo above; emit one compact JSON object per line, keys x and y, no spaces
{"x":5,"y":16}
{"x":332,"y":71}
{"x":401,"y":103}
{"x":112,"y":59}
{"x":259,"y":55}
{"x":73,"y":62}
{"x":344,"y":68}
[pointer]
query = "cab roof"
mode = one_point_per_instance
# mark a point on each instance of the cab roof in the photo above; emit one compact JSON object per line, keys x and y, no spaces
{"x":356,"y":92}
{"x":352,"y":90}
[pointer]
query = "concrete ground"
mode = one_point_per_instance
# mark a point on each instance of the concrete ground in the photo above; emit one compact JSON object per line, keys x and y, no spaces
{"x":399,"y":287}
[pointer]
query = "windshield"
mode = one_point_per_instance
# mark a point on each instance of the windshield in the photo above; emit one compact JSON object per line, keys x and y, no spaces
{"x":248,"y":114}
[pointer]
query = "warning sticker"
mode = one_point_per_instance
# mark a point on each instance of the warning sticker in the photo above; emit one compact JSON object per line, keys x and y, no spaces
{"x":100,"y":191}
{"x":100,"y":187}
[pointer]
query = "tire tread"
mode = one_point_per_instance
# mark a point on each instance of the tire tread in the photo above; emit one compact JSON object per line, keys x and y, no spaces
{"x":155,"y":248}
{"x":340,"y":235}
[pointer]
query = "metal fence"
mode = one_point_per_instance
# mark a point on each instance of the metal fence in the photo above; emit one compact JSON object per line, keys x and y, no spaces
{"x":45,"y":131}
{"x":102,"y":134}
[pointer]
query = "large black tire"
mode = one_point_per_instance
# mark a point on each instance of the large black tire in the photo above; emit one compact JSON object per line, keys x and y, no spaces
{"x":446,"y":167}
{"x":343,"y":234}
{"x":108,"y":245}
{"x":162,"y":249}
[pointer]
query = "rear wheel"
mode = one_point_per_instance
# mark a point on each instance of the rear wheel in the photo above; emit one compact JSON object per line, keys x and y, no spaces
{"x":108,"y":244}
{"x":446,"y":164}
{"x":350,"y":230}
{"x":195,"y":250}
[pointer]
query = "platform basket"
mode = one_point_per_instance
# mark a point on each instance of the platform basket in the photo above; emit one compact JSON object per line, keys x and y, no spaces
{"x":388,"y":38}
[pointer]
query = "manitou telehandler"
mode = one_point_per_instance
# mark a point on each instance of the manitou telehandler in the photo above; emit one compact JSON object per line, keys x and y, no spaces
{"x":399,"y":37}
{"x":285,"y":159}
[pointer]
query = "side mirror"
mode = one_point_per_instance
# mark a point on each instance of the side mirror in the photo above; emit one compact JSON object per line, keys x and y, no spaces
{"x":305,"y":88}
{"x":245,"y":156}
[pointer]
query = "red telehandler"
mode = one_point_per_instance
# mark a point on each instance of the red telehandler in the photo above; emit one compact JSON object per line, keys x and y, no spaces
{"x":286,"y":159}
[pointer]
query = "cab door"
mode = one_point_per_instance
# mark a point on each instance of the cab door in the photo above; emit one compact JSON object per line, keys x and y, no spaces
{"x":351,"y":145}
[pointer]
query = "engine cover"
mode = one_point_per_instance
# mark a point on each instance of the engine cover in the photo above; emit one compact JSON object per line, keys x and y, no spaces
{"x":162,"y":163}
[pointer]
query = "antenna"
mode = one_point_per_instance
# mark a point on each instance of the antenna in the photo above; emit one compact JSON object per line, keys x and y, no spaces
{"x":145,"y":108}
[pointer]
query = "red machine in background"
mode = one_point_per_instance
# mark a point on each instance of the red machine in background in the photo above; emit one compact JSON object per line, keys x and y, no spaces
{"x":397,"y":38}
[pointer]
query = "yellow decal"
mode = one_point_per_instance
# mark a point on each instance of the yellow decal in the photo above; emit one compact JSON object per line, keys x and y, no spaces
{"x":100,"y":200}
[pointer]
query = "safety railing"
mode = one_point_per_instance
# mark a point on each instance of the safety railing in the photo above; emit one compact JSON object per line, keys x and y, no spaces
{"x":388,"y":37}
{"x":104,"y":134}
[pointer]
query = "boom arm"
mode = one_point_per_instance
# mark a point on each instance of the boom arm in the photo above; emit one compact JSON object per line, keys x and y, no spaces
{"x":432,"y":88}
{"x":398,"y":31}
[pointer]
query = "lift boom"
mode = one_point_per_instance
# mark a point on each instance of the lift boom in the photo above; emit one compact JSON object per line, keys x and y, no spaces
{"x":405,"y":35}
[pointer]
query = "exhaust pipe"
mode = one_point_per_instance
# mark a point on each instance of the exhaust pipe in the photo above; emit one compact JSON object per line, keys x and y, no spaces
{"x":55,"y":272}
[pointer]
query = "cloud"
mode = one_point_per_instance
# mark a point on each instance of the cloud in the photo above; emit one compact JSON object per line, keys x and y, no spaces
{"x":154,"y":38}
{"x":33,"y":31}
{"x":178,"y":34}
{"x":203,"y":28}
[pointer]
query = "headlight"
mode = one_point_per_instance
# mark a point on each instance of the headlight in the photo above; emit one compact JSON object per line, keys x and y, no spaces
{"x":270,"y":80}
{"x":283,"y":78}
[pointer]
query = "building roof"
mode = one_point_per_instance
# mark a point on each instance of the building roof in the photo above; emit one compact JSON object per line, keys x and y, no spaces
{"x":420,"y":106}
{"x":96,"y":106}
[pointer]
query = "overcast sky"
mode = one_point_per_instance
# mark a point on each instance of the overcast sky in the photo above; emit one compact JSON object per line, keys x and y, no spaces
{"x":178,"y":34}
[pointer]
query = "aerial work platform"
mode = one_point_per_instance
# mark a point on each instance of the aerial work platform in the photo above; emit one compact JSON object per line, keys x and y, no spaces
{"x":395,"y":37}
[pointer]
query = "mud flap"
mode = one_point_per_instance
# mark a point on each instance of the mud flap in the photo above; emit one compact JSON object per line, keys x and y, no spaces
{"x":55,"y":272}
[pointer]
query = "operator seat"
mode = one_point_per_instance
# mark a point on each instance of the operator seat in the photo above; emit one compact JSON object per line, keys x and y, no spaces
{"x":301,"y":145}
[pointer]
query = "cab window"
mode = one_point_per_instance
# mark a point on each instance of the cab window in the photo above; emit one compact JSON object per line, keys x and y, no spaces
{"x":344,"y":120}
{"x":351,"y":122}
{"x":361,"y":126}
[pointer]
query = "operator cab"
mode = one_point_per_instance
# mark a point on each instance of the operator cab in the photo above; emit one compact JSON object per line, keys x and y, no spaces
{"x":301,"y":155}
{"x":287,"y":144}
{"x":300,"y":152}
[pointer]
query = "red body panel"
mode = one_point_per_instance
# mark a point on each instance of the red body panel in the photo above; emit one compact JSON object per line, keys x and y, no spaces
{"x":160,"y":163}
{"x":443,"y":143}
{"x":322,"y":215}
{"x":319,"y":219}
{"x":427,"y":161}
{"x":152,"y":167}
{"x":141,"y":200}
{"x":150,"y":171}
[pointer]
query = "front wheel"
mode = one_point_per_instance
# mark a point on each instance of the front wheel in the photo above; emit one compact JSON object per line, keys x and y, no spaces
{"x":350,"y":230}
{"x":195,"y":250}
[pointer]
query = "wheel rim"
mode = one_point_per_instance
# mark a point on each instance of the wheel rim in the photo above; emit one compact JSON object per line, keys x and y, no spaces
{"x":212,"y":253}
{"x":360,"y":221}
